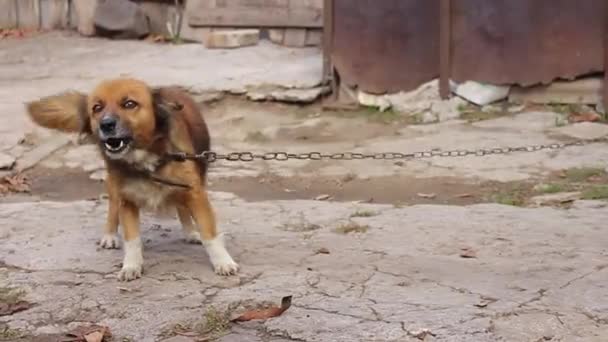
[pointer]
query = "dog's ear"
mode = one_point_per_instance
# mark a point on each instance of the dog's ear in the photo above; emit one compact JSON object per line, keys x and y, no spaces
{"x":163,"y":108}
{"x":66,"y":112}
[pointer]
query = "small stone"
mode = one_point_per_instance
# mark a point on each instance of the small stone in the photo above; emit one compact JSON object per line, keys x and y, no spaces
{"x":376,"y":101}
{"x":34,"y":156}
{"x":257,"y":96}
{"x":584,"y":130}
{"x":6,"y":161}
{"x":228,"y":39}
{"x":556,"y":199}
{"x":98,"y":175}
{"x":120,"y":19}
{"x":481,"y":94}
{"x":294,"y":37}
{"x":300,"y":96}
{"x":428,"y":118}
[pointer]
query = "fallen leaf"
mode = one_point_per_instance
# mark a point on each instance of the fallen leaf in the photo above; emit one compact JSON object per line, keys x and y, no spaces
{"x":464,"y":195}
{"x":467,"y":253}
{"x":273,"y":311}
{"x":93,"y":333}
{"x":430,"y":196}
{"x":7,"y":309}
{"x":322,"y":250}
{"x":585,"y":117}
{"x":485,"y":301}
{"x":156,"y":38}
{"x":322,"y":197}
{"x":95,"y":336}
{"x":14,"y":183}
{"x":422,"y":334}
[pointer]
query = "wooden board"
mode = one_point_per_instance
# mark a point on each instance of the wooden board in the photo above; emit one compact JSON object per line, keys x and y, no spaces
{"x":8,"y":14}
{"x":255,"y":13}
{"x":27,"y":12}
{"x":54,"y":14}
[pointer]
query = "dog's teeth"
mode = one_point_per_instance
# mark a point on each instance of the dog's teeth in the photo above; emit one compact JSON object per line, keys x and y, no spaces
{"x":122,"y":143}
{"x":108,"y":146}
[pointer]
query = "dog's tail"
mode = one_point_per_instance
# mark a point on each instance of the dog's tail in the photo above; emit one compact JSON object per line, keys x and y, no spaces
{"x":66,"y":112}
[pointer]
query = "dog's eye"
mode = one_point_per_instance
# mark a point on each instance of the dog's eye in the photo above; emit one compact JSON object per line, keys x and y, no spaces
{"x":97,"y":108}
{"x":129,"y":104}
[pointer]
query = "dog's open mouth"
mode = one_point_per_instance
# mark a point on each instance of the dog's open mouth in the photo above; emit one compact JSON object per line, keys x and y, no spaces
{"x":116,"y":145}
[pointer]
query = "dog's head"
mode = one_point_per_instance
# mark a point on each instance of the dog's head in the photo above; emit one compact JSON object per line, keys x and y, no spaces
{"x":121,"y":114}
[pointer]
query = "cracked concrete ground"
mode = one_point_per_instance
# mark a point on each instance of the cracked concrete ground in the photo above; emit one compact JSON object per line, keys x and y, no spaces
{"x":537,"y":274}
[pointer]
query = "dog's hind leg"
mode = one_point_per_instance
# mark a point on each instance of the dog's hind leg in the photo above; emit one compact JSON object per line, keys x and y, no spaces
{"x":203,"y":214}
{"x":191,"y":233}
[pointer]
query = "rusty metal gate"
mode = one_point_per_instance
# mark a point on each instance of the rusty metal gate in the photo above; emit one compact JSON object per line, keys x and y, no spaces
{"x":396,"y":45}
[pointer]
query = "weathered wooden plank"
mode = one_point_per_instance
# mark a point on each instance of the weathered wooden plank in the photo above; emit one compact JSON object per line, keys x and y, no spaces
{"x":54,"y":14}
{"x":158,"y":15}
{"x":28,"y":14}
{"x":8,"y":14}
{"x":255,"y":13}
{"x":85,"y":11}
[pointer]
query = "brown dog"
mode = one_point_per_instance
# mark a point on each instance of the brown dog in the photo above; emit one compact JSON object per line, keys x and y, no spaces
{"x":134,"y":127}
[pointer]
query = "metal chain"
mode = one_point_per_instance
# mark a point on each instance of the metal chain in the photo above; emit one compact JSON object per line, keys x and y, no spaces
{"x":284,"y":156}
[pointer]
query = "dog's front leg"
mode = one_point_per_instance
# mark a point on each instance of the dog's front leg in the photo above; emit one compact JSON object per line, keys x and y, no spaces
{"x":109,"y":239}
{"x":204,"y":216}
{"x":133,"y":262}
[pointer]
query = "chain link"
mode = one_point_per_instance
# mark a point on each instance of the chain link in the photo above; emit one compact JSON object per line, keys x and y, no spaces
{"x":284,"y":156}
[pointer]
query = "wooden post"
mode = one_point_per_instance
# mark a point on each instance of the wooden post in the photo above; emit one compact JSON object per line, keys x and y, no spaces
{"x":328,"y":20}
{"x":605,"y":85}
{"x":445,"y":37}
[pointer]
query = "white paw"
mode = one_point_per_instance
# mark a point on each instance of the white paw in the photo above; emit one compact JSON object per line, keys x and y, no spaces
{"x":220,"y":258}
{"x":109,"y":241}
{"x":130,"y":272}
{"x":133,"y":263}
{"x":193,"y":237}
{"x":226,"y":268}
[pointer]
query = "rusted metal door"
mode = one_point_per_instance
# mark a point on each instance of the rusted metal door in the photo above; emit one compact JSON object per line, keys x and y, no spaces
{"x":396,"y":45}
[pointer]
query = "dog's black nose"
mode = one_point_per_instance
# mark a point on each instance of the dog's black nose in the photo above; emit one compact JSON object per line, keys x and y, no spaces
{"x":107,"y":125}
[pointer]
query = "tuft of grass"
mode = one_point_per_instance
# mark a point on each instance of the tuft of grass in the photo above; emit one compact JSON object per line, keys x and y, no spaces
{"x":596,"y":192}
{"x":583,"y":174}
{"x":8,"y":334}
{"x":215,"y":323}
{"x":9,"y":295}
{"x":351,"y":227}
{"x":552,"y":188}
{"x":515,"y":197}
{"x":256,"y":136}
{"x":364,"y":213}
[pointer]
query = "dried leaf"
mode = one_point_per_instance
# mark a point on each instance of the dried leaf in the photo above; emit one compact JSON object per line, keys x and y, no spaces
{"x":322,"y":250}
{"x":422,"y":334}
{"x":273,"y":311}
{"x":7,"y":309}
{"x":468,"y":253}
{"x":156,"y":38}
{"x":322,"y":197}
{"x":585,"y":117}
{"x":93,"y":333}
{"x":14,"y":183}
{"x":464,"y":195}
{"x":95,"y":336}
{"x":429,"y":196}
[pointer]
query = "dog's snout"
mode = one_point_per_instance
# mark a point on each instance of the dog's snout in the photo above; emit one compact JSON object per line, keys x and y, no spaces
{"x":107,"y":125}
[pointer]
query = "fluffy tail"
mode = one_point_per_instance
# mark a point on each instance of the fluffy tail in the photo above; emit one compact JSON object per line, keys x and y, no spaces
{"x":66,"y":112}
